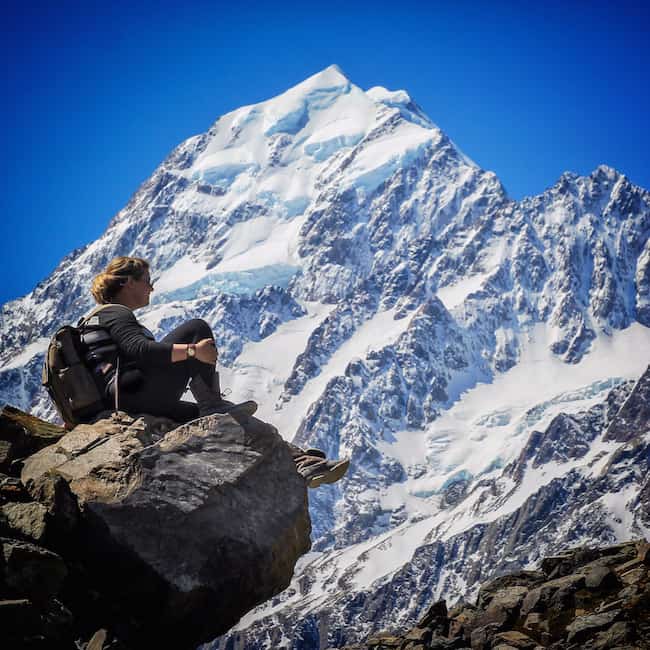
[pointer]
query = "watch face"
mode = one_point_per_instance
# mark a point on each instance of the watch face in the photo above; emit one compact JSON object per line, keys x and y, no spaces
{"x":191,"y":352}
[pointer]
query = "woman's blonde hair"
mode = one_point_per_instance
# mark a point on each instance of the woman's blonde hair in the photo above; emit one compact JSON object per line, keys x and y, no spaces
{"x":108,"y":283}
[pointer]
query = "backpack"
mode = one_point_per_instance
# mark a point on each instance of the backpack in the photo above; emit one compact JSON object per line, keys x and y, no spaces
{"x":66,"y":375}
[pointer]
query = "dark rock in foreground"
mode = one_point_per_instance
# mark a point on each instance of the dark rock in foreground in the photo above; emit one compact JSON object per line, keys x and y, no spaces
{"x":584,"y":599}
{"x":146,"y":534}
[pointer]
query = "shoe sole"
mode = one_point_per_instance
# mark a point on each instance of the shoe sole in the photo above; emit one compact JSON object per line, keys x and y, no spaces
{"x":331,"y":476}
{"x":316,"y":453}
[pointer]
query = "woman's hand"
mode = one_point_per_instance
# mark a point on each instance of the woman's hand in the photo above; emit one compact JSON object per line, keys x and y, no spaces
{"x":206,"y":351}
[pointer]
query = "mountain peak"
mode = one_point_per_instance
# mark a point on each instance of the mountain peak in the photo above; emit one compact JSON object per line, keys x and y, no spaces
{"x":329,"y":78}
{"x":605,"y":172}
{"x":329,"y":74}
{"x":601,"y":173}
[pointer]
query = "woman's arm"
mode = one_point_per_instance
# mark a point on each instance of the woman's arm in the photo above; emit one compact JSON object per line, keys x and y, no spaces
{"x":125,"y":330}
{"x":135,"y":345}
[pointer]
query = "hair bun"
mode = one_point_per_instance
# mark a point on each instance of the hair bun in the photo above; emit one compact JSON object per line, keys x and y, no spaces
{"x":107,"y":284}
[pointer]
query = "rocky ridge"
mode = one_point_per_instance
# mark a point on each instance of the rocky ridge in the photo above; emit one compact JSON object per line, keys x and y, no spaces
{"x":136,"y":532}
{"x":581,"y":599}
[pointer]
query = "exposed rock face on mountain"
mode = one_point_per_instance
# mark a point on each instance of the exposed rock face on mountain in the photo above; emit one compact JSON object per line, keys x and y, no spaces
{"x":162,"y":535}
{"x":582,"y":599}
{"x":383,"y":298}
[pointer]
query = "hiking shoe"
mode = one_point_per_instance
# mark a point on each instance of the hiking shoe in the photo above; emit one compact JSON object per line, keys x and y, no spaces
{"x":319,"y":471}
{"x":245,"y":409}
{"x":209,"y":400}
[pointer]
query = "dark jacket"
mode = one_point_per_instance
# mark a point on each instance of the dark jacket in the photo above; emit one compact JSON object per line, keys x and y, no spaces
{"x":114,"y":332}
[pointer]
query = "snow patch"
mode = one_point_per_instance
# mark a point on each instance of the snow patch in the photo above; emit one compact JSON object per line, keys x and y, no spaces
{"x":320,"y":149}
{"x":28,"y":353}
{"x":263,"y":367}
{"x":222,"y":167}
{"x":184,"y":272}
{"x":453,"y":295}
{"x":292,"y":122}
{"x":381,"y":158}
{"x":391,"y":98}
{"x":261,"y":242}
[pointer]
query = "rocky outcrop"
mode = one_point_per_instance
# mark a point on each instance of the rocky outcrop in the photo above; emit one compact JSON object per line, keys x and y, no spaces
{"x":583,"y":599}
{"x":155,"y":534}
{"x":634,"y":417}
{"x":22,"y":434}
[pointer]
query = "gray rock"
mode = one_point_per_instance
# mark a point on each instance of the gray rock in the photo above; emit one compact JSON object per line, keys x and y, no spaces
{"x":619,"y":634}
{"x":628,"y":592}
{"x":32,"y":571}
{"x":53,"y":492}
{"x":644,"y":553}
{"x":24,"y":520}
{"x":421,"y":635}
{"x":515,"y":579}
{"x":503,"y":606}
{"x":601,"y":577}
{"x":11,"y":489}
{"x":585,"y":626}
{"x":461,"y":620}
{"x":441,"y":643}
{"x":384,"y":639}
{"x":567,"y":563}
{"x":551,"y":593}
{"x":22,"y":434}
{"x":209,"y":519}
{"x":513,"y":639}
{"x":436,"y":618}
{"x":480,"y":637}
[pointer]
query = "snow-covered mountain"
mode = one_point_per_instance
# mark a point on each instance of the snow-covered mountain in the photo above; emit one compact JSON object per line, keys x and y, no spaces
{"x":383,"y":298}
{"x":585,"y":479}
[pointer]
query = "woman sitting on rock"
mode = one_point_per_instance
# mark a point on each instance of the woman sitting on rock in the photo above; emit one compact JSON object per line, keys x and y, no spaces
{"x":152,"y":375}
{"x":142,"y":375}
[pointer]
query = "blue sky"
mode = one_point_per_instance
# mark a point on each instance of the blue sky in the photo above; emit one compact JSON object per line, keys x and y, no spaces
{"x":96,"y":95}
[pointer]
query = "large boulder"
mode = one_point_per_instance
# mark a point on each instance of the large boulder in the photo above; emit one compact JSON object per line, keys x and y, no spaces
{"x":187,"y":529}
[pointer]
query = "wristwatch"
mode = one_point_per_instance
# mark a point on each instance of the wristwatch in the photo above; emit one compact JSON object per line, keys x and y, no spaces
{"x":191,"y":350}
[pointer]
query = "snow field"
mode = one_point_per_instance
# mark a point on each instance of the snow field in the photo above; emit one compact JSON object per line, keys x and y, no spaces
{"x":539,"y":378}
{"x":263,"y":367}
{"x":39,"y":346}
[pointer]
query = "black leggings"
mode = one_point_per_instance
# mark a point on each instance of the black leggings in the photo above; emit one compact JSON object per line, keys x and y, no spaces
{"x":161,"y":390}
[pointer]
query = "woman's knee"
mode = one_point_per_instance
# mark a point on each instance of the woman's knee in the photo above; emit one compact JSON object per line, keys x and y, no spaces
{"x":202,"y":329}
{"x":190,"y":331}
